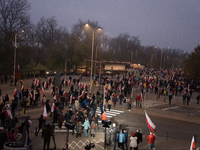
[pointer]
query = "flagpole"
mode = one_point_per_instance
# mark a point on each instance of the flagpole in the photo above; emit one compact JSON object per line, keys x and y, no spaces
{"x":104,"y":97}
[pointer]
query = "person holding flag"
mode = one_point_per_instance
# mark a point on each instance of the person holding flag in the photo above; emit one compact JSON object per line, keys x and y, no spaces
{"x":151,"y":139}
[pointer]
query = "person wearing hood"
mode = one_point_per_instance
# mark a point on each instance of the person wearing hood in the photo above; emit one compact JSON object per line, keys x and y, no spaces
{"x":133,"y":142}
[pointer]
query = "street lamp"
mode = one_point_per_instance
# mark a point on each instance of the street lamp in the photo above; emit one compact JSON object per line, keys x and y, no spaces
{"x":93,"y":32}
{"x":15,"y":55}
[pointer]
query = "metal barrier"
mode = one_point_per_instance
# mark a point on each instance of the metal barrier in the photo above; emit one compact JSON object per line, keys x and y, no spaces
{"x":80,"y":144}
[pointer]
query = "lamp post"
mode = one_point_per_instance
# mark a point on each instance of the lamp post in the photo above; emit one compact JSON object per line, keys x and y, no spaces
{"x":93,"y":32}
{"x":161,"y":60}
{"x":15,"y":56}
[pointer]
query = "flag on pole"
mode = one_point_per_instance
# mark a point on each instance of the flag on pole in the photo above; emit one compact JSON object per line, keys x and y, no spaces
{"x":45,"y":85}
{"x":119,"y":87}
{"x":150,"y":86}
{"x":82,"y":94}
{"x":53,"y":107}
{"x":106,"y":91}
{"x":70,"y":100}
{"x":82,"y":85}
{"x":106,"y":86}
{"x":150,"y":123}
{"x":15,"y":92}
{"x":30,"y":122}
{"x":64,"y":93}
{"x":69,"y":83}
{"x":85,"y":86}
{"x":45,"y":112}
{"x":168,"y":86}
{"x":42,"y":91}
{"x":121,"y":78}
{"x":31,"y":95}
{"x":141,"y":97}
{"x":140,"y":84}
{"x":185,"y":91}
{"x":192,"y":146}
{"x":56,"y":96}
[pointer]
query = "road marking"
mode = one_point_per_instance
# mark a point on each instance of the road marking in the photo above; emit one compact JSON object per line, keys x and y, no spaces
{"x":175,"y":107}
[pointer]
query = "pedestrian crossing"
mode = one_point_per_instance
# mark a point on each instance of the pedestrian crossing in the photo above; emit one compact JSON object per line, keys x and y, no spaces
{"x":109,"y":114}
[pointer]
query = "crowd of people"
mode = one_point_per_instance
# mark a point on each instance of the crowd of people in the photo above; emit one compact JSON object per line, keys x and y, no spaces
{"x":81,"y":106}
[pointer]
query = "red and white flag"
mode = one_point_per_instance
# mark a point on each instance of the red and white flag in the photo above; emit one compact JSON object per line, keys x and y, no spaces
{"x":53,"y":107}
{"x":85,"y":86}
{"x":22,"y":87}
{"x":15,"y":92}
{"x":106,"y":91}
{"x":141,"y":97}
{"x":168,"y":86}
{"x":31,"y":95}
{"x":106,"y":86}
{"x":185,"y":91}
{"x":82,"y":94}
{"x":121,"y":78}
{"x":150,"y":86}
{"x":82,"y":86}
{"x":119,"y":87}
{"x":69,"y":83}
{"x":70,"y":100}
{"x":51,"y":85}
{"x":56,"y":96}
{"x":108,"y":80}
{"x":150,"y":123}
{"x":64,"y":93}
{"x":45,"y":85}
{"x":30,"y":122}
{"x":42,"y":90}
{"x":45,"y":112}
{"x":192,"y":146}
{"x":140,"y":84}
{"x":35,"y":82}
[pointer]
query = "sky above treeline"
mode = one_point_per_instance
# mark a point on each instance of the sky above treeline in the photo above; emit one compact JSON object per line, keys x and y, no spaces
{"x":173,"y":23}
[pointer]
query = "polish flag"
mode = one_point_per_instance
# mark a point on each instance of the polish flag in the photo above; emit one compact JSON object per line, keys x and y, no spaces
{"x":108,"y":80}
{"x":140,"y":84}
{"x":85,"y":86}
{"x":70,"y":100}
{"x":106,"y":91}
{"x":35,"y":82}
{"x":9,"y":113}
{"x":150,"y":86}
{"x":106,"y":86}
{"x":119,"y":87}
{"x":15,"y":92}
{"x":82,"y":86}
{"x":69,"y":82}
{"x":42,"y":90}
{"x":168,"y":86}
{"x":185,"y":91}
{"x":45,"y":112}
{"x":45,"y":85}
{"x":22,"y":87}
{"x":121,"y":78}
{"x":83,"y":93}
{"x":64,"y":93}
{"x":30,"y":122}
{"x":31,"y":95}
{"x":53,"y":107}
{"x":141,"y":96}
{"x":192,"y":146}
{"x":149,"y":122}
{"x":79,"y":83}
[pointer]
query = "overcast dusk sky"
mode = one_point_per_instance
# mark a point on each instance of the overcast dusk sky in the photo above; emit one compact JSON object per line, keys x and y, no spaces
{"x":174,"y":23}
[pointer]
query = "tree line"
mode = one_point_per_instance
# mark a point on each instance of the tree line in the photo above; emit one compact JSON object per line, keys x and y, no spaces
{"x":46,"y":45}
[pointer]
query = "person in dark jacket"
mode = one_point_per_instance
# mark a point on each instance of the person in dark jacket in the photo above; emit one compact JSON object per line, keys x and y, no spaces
{"x":139,"y":136}
{"x":41,"y":121}
{"x":47,"y":133}
{"x":113,"y":132}
{"x":60,"y":120}
{"x":170,"y":98}
{"x":126,"y":139}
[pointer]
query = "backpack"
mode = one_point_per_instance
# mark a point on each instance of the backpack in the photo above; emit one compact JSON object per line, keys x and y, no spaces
{"x":124,"y":100}
{"x":93,"y":126}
